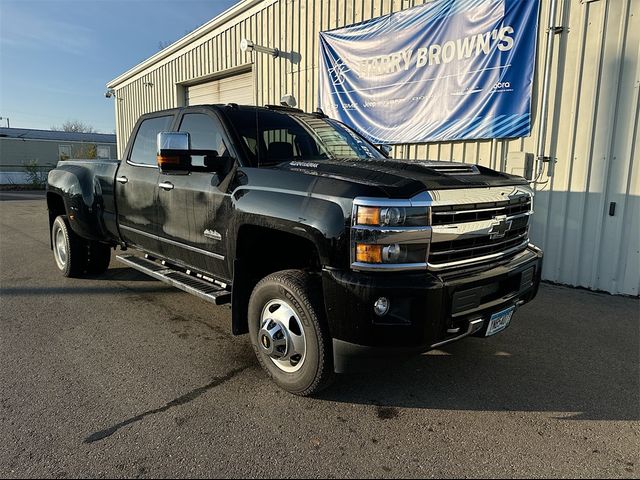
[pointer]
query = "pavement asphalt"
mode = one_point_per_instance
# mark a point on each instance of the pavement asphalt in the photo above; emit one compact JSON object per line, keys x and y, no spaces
{"x":123,"y":376}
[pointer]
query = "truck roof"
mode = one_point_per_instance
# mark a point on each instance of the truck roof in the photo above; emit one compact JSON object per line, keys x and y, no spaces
{"x":223,"y":106}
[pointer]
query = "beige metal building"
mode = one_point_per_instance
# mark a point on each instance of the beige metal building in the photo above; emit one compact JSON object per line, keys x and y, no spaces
{"x":588,"y":208}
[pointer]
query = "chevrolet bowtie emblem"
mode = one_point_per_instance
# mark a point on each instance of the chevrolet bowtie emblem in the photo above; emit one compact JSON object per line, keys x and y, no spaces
{"x":500,"y":228}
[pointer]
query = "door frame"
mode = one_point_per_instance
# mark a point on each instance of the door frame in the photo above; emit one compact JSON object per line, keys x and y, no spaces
{"x":227,"y":135}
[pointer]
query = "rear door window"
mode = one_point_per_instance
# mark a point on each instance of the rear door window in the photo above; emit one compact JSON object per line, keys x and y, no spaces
{"x":145,"y":146}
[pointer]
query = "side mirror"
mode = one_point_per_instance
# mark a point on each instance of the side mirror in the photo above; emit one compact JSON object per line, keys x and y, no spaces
{"x":174,"y":154}
{"x":386,"y":150}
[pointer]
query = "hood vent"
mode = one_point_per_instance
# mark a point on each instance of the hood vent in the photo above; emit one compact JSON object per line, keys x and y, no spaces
{"x":454,"y":168}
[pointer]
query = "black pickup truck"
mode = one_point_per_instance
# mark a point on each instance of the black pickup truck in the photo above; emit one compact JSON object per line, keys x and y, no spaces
{"x":331,"y":255}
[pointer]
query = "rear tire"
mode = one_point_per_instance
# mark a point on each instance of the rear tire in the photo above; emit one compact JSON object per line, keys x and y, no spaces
{"x":289,"y":333}
{"x":99,"y":258}
{"x":69,"y":250}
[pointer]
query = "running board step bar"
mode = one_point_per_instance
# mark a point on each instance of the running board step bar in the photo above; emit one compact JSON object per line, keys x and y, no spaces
{"x":201,"y":288}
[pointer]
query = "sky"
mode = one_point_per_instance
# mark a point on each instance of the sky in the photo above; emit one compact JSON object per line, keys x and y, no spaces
{"x":56,"y":56}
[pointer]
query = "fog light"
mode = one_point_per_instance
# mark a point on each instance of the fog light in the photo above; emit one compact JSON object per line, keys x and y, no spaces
{"x":381,"y":307}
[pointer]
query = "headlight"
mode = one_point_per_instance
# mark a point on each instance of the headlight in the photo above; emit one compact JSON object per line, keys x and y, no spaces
{"x":390,"y":235}
{"x":390,"y":254}
{"x":393,"y":254}
{"x":379,"y":253}
{"x":392,"y":216}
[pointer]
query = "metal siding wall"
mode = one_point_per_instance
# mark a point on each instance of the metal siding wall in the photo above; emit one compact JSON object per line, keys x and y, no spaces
{"x":237,"y":88}
{"x":593,"y":131}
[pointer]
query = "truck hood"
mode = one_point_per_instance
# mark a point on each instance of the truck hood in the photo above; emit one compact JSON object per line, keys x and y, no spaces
{"x":403,"y":178}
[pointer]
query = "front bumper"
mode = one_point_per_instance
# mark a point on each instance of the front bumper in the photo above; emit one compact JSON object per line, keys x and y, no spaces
{"x":426,"y":309}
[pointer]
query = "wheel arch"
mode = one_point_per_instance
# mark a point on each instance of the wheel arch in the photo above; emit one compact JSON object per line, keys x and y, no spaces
{"x":55,"y":207}
{"x":260,"y":251}
{"x":76,"y":188}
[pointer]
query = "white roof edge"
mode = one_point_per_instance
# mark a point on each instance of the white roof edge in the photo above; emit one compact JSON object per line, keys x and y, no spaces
{"x":220,"y":19}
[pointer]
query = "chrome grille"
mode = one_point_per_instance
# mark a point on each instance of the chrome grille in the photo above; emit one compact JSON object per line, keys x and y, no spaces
{"x":445,"y":252}
{"x":468,"y":233}
{"x":444,"y":215}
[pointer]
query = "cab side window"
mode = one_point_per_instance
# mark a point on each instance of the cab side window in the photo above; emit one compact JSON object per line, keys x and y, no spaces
{"x":206,"y":134}
{"x":281,"y":146}
{"x":146,"y":143}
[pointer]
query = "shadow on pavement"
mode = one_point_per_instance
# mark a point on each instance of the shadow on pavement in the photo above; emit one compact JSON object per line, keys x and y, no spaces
{"x":7,"y":292}
{"x":572,"y":353}
{"x":21,"y":195}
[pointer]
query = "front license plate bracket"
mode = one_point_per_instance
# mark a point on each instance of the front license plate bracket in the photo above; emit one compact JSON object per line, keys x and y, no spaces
{"x":499,"y":321}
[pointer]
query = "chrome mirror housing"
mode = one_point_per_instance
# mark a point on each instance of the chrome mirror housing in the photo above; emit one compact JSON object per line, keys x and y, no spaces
{"x":173,"y":153}
{"x":172,"y":141}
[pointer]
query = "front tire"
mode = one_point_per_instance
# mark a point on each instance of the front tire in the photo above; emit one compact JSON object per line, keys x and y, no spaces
{"x":288,"y":332}
{"x":69,"y":250}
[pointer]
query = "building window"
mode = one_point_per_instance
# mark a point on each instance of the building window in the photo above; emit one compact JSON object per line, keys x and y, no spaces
{"x":64,"y":152}
{"x":103,"y":151}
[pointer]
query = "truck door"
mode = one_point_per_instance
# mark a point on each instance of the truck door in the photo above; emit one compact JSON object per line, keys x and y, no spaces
{"x":193,"y":227}
{"x":137,"y":186}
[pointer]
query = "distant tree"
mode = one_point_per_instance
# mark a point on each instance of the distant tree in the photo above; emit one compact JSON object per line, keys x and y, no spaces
{"x":74,"y":126}
{"x":83,"y":150}
{"x":86,"y":150}
{"x":36,"y":176}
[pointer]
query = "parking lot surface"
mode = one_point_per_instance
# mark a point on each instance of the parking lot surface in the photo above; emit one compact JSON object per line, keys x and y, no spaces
{"x":120,"y":375}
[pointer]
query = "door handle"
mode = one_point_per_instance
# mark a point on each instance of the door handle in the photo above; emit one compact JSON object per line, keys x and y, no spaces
{"x":122,"y":179}
{"x":166,"y":185}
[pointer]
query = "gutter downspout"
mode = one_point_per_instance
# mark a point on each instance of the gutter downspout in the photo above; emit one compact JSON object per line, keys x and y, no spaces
{"x":552,"y":30}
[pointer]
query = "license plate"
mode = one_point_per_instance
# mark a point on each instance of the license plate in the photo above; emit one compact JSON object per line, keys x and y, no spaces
{"x":499,"y":321}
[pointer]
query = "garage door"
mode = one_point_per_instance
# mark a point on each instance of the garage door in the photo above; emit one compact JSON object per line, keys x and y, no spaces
{"x":236,"y":89}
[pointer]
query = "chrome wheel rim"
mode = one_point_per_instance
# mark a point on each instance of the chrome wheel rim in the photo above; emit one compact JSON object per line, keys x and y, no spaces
{"x":281,"y":336}
{"x":60,"y":248}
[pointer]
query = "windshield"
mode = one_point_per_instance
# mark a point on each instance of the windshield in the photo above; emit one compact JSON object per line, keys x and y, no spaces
{"x":272,"y":137}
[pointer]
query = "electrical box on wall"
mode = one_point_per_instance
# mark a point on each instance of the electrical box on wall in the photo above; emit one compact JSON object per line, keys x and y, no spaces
{"x":520,"y":163}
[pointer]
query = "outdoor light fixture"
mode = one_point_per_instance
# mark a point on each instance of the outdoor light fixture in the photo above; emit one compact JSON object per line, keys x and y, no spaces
{"x":112,"y":93}
{"x":247,"y":45}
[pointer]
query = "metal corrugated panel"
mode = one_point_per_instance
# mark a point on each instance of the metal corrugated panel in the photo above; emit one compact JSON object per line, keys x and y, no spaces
{"x":234,"y":89}
{"x":593,"y":135}
{"x":593,"y":131}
